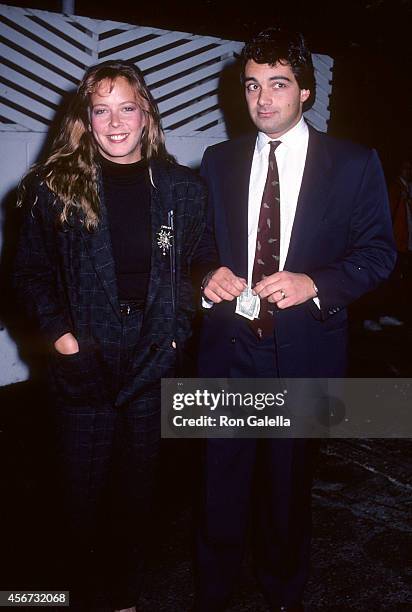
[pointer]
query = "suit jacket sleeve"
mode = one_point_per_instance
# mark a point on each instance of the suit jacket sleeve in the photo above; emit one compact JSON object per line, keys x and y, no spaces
{"x":370,"y":255}
{"x":36,"y":267}
{"x":206,"y":256}
{"x":193,"y":230}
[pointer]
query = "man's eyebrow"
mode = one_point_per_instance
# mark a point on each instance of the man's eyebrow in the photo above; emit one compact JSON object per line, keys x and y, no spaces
{"x":273,"y":78}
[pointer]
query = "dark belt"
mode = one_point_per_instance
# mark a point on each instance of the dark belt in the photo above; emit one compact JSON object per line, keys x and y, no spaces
{"x":131,"y":306}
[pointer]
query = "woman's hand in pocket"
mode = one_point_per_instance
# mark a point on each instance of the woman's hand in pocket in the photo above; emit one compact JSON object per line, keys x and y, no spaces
{"x":67,"y":344}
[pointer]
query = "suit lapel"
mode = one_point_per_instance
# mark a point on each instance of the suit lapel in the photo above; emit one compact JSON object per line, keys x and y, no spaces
{"x":161,"y":202}
{"x":237,"y":190}
{"x":312,"y":201}
{"x":99,"y":247}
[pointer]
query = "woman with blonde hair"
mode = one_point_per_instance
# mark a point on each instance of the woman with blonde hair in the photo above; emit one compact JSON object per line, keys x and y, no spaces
{"x":110,"y":223}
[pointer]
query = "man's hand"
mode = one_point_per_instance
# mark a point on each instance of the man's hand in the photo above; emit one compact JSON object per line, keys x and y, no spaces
{"x":222,"y":284}
{"x":67,"y":344}
{"x":286,"y":289}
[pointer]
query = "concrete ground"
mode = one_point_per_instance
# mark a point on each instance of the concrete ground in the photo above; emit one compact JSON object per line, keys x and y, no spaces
{"x":361,"y":507}
{"x":361,"y":542}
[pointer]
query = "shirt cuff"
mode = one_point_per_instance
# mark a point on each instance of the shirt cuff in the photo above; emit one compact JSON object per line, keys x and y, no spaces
{"x":206,"y":303}
{"x":316,"y":299}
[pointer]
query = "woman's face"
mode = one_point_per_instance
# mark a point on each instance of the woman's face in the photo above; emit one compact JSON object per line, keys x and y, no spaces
{"x":117,"y":121}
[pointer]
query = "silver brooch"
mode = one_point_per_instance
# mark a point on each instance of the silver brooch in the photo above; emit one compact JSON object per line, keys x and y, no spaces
{"x":165,"y":238}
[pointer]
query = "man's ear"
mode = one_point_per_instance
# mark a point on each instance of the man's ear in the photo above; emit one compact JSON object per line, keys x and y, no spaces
{"x":304,"y":95}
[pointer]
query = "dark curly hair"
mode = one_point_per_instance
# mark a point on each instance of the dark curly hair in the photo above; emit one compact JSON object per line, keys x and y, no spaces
{"x":275,"y":45}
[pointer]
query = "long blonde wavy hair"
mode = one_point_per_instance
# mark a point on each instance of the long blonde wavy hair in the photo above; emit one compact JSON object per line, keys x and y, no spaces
{"x":71,"y":171}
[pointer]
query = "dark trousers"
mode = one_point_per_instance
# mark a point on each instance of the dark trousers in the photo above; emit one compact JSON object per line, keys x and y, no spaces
{"x":256,"y":487}
{"x":108,"y":459}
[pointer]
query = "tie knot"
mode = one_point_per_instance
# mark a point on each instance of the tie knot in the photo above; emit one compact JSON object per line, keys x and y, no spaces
{"x":274,"y":145}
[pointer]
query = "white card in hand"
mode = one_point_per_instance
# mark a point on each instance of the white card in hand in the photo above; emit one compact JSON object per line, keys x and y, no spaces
{"x":248,"y":305}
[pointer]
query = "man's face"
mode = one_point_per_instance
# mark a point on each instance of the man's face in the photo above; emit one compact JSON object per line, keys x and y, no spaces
{"x":117,"y":121}
{"x":273,"y":97}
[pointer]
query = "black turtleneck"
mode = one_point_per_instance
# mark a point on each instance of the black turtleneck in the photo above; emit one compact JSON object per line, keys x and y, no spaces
{"x":127,"y":198}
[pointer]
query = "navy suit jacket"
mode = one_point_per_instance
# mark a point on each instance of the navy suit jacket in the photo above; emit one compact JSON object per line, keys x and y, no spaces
{"x":341,"y":237}
{"x":66,"y":280}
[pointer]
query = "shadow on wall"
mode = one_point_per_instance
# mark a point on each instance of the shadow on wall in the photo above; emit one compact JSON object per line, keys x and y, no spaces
{"x":232,"y":101}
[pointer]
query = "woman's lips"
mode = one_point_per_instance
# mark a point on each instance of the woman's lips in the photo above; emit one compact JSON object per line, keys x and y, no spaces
{"x":117,"y":137}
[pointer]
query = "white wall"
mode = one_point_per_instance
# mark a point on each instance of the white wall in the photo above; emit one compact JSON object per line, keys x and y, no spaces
{"x":17,"y":151}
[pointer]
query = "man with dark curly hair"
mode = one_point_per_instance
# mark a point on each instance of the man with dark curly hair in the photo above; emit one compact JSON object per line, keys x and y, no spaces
{"x":299,"y":224}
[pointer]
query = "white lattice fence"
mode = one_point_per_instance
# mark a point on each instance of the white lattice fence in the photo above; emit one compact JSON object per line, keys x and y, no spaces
{"x":45,"y":54}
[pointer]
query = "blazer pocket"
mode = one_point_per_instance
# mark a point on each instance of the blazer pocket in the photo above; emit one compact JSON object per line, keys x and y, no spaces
{"x":65,"y":359}
{"x":76,"y":378}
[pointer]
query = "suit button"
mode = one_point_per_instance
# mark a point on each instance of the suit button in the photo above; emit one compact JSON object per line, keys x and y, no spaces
{"x":233,"y":340}
{"x":154,"y":347}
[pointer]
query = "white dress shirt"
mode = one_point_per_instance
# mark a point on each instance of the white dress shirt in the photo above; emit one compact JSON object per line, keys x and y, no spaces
{"x":290,"y":158}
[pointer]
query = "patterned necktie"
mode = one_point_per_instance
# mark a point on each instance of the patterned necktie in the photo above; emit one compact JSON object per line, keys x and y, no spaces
{"x":267,"y":242}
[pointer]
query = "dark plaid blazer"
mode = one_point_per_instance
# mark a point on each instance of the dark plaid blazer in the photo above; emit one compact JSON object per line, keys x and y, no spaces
{"x":65,"y":277}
